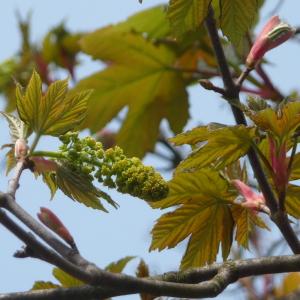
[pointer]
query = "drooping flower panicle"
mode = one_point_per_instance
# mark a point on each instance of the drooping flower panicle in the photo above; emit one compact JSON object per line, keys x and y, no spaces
{"x":274,"y":33}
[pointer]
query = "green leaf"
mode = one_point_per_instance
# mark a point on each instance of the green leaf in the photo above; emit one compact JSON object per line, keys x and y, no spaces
{"x":118,"y":267}
{"x":191,"y":137}
{"x":295,"y":171}
{"x":65,"y":279}
{"x":18,"y":129}
{"x":28,"y":103}
{"x":187,"y":15}
{"x":44,"y":285}
{"x":50,"y":180}
{"x":79,"y":188}
{"x":204,"y":244}
{"x":10,"y":160}
{"x":245,"y":220}
{"x":292,"y":201}
{"x":195,"y":187}
{"x":281,"y":123}
{"x":203,"y":215}
{"x":54,"y":113}
{"x":224,"y":146}
{"x":136,"y":65}
{"x":237,"y":17}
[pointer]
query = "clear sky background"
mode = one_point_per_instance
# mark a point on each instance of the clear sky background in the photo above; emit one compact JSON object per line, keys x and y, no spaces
{"x":103,"y":238}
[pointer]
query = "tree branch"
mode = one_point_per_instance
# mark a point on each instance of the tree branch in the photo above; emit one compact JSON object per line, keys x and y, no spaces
{"x":13,"y":183}
{"x":232,"y":94}
{"x":187,"y":284}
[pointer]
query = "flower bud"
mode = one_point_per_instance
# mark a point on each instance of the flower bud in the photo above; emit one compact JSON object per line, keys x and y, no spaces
{"x":21,"y":148}
{"x":274,"y":33}
{"x":49,"y":219}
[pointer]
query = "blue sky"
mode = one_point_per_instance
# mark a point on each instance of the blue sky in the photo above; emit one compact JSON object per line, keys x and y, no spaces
{"x":104,"y":238}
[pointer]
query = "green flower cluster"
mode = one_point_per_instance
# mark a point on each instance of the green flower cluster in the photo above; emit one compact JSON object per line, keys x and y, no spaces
{"x":112,"y":168}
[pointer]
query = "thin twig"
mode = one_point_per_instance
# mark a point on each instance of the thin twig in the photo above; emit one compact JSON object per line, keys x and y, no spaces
{"x":13,"y":183}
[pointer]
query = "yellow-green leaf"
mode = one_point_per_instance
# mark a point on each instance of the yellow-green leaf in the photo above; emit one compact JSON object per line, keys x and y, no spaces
{"x":245,"y":221}
{"x":292,"y":201}
{"x":118,"y":266}
{"x":204,"y":244}
{"x":223,"y":147}
{"x":65,"y":279}
{"x":191,"y":137}
{"x":54,"y":113}
{"x":79,"y":188}
{"x":44,"y":285}
{"x":204,"y":213}
{"x":17,"y":128}
{"x":291,"y":283}
{"x":282,"y":123}
{"x":50,"y":180}
{"x":195,"y":187}
{"x":28,"y":103}
{"x":137,"y":65}
{"x":237,"y":17}
{"x":10,"y":160}
{"x":187,"y":15}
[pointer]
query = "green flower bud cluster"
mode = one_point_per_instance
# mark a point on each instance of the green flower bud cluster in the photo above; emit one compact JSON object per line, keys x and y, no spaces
{"x":112,"y":168}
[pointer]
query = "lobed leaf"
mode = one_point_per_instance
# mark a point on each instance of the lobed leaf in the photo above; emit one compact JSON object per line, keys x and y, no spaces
{"x":292,"y":200}
{"x":79,"y":188}
{"x":245,"y":221}
{"x":237,"y":17}
{"x":223,"y":147}
{"x":136,"y":65}
{"x":281,"y":123}
{"x":204,"y":216}
{"x":187,"y":15}
{"x":54,"y":113}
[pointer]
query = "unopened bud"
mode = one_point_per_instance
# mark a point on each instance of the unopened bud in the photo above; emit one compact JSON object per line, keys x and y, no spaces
{"x":49,"y":219}
{"x":21,"y":148}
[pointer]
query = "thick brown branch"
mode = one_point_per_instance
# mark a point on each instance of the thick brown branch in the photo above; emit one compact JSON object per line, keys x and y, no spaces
{"x":232,"y":94}
{"x":181,"y":284}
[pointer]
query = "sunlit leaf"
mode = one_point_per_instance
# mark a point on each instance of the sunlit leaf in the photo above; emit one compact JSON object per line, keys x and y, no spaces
{"x":79,"y":188}
{"x":245,"y":221}
{"x":195,"y":187}
{"x":290,"y":283}
{"x":282,"y":123}
{"x":187,"y":15}
{"x":44,"y":285}
{"x":203,"y":215}
{"x":28,"y":103}
{"x":237,"y":17}
{"x":191,"y":137}
{"x":65,"y":279}
{"x":10,"y":160}
{"x":204,"y":244}
{"x":136,"y":65}
{"x":223,"y":147}
{"x":50,"y":180}
{"x":54,"y":113}
{"x":17,"y":128}
{"x":118,"y":266}
{"x":292,"y":200}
